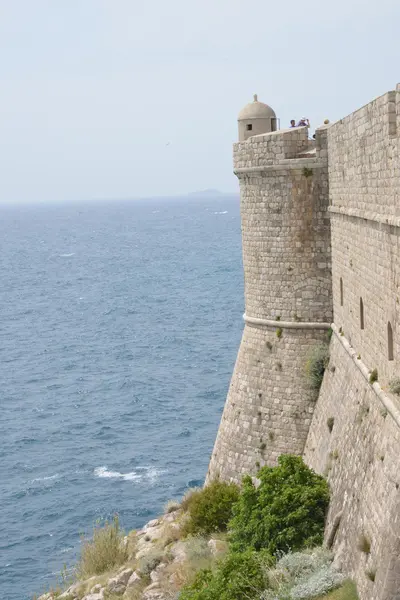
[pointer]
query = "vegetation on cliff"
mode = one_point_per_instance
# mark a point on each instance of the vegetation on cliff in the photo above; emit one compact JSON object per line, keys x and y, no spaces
{"x":257,"y":542}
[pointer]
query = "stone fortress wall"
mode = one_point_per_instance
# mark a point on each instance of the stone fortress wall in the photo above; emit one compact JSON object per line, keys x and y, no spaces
{"x":320,"y":224}
{"x":361,"y":453}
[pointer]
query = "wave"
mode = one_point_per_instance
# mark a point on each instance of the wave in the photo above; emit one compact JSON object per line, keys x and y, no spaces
{"x":67,"y":255}
{"x":149,"y":473}
{"x":49,"y":478}
{"x":223,"y":212}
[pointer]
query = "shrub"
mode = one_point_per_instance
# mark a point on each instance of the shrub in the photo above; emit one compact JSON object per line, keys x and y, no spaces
{"x":316,"y":364}
{"x":194,"y":491}
{"x":373,"y":376}
{"x":394,"y":385}
{"x":171,"y":506}
{"x":279,"y":332}
{"x":150,"y":561}
{"x":322,"y":581}
{"x":286,"y":511}
{"x":237,"y":577}
{"x":296,"y":566}
{"x":210,"y":509}
{"x":104,"y":551}
{"x":197,"y":549}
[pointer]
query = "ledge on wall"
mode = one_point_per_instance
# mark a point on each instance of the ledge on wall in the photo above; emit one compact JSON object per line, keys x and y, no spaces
{"x":387,"y":402}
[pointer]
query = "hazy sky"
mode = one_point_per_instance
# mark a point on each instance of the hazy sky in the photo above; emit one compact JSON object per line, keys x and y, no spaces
{"x":92,"y":91}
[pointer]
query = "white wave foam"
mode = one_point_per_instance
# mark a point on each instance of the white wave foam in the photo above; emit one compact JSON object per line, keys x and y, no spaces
{"x":67,"y":255}
{"x":150,"y":474}
{"x":103,"y":472}
{"x":46,"y":478}
{"x":223,"y":212}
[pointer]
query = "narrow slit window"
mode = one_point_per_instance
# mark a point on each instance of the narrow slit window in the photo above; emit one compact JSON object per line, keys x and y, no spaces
{"x":361,"y":314}
{"x":390,"y":341}
{"x":341,"y":292}
{"x":249,"y":127}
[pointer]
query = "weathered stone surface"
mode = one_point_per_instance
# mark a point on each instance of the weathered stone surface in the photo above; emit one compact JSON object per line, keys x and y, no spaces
{"x":156,"y":574}
{"x":178,"y":551}
{"x":153,"y":592}
{"x":134,"y":580}
{"x":96,"y":596}
{"x":117,"y":585}
{"x":152,"y":523}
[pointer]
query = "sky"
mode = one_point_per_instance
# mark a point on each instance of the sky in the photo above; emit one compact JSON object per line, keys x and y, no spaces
{"x":125,"y":98}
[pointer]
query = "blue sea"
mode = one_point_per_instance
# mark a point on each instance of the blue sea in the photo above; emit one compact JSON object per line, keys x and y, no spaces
{"x":120,"y":323}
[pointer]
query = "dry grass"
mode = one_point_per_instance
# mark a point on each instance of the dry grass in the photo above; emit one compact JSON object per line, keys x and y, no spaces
{"x":103,"y":552}
{"x":347,"y":592}
{"x":172,"y":506}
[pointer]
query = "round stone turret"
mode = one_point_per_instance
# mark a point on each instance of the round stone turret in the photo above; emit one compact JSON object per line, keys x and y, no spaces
{"x":288,"y":295}
{"x":256,"y":118}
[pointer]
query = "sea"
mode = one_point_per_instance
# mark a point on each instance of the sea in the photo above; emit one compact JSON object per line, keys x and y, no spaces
{"x":120,"y":323}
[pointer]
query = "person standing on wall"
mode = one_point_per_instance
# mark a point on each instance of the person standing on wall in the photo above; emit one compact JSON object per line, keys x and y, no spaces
{"x":304,"y":122}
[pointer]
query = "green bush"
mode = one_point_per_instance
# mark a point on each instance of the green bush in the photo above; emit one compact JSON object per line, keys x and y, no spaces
{"x":316,"y":364}
{"x":238,"y":577}
{"x":287,"y":510}
{"x":104,"y":551}
{"x":210,"y":509}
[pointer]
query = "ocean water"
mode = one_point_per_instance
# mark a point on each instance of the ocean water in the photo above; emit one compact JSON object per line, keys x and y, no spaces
{"x":120,"y":324}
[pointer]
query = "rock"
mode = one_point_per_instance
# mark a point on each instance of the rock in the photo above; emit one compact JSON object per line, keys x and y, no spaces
{"x":117,"y":585}
{"x":72,"y":591}
{"x":178,"y":551}
{"x":134,"y":580}
{"x":153,"y":592}
{"x":172,"y":516}
{"x":152,"y":523}
{"x":95,"y":589}
{"x":98,"y":595}
{"x":48,"y":596}
{"x":217,"y":546}
{"x":155,"y":575}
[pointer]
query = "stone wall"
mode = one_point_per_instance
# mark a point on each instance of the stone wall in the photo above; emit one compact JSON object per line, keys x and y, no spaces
{"x":286,"y":258}
{"x":355,"y":432}
{"x":364,"y":188}
{"x":354,"y":440}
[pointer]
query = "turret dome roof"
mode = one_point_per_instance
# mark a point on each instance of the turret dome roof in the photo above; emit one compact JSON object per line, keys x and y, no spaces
{"x":256,"y":110}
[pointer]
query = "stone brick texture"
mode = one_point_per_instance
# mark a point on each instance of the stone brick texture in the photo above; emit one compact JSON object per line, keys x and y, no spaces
{"x":361,"y":455}
{"x":286,"y":259}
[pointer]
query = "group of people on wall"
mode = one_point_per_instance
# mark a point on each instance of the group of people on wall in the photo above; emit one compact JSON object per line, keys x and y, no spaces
{"x":304,"y":122}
